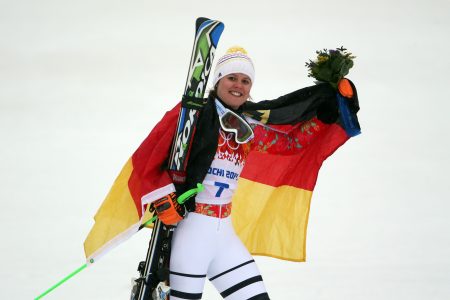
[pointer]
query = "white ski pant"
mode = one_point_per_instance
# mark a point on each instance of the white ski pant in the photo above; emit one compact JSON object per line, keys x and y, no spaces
{"x":207,"y":247}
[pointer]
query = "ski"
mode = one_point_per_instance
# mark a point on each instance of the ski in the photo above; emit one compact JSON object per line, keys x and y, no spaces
{"x":207,"y":36}
{"x":153,"y":281}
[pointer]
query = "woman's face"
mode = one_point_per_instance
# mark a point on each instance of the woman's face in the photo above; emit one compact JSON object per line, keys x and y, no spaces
{"x":234,"y":89}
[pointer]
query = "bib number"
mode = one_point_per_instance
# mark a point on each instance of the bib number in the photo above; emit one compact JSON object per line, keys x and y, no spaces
{"x":221,"y":186}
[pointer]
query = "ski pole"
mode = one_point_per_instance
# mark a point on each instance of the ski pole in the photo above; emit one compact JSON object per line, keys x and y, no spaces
{"x":188,"y":194}
{"x":181,"y":200}
{"x":62,"y":281}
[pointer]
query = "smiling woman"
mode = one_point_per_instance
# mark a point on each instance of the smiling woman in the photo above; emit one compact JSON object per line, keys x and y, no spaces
{"x":234,"y":89}
{"x":207,"y":232}
{"x":230,"y":133}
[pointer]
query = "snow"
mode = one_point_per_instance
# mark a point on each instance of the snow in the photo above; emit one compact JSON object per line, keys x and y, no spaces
{"x":82,"y":83}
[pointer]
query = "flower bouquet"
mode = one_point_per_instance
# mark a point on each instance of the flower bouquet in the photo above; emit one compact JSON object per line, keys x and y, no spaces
{"x":330,"y":65}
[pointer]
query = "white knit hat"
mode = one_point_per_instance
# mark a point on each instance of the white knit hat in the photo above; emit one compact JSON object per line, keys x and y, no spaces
{"x":235,"y":60}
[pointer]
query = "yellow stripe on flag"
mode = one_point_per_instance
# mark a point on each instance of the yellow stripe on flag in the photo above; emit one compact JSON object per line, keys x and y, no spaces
{"x":116,"y":219}
{"x":272,"y":221}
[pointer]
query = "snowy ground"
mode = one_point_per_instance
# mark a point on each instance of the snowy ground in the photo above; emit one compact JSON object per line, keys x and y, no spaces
{"x":83,"y":82}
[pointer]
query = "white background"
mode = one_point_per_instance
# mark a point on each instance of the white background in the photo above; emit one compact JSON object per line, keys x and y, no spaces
{"x":83,"y":82}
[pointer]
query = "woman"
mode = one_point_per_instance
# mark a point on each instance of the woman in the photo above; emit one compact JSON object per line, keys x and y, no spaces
{"x":206,"y":234}
{"x":204,"y":244}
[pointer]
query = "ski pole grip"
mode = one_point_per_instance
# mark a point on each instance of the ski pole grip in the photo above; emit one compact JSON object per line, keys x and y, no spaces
{"x":188,"y":194}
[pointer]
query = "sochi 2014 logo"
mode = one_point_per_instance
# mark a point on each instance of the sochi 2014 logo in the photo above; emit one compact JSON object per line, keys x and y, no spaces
{"x":229,"y":150}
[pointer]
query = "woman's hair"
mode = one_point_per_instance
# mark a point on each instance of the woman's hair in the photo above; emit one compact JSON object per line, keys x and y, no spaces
{"x":212,"y":93}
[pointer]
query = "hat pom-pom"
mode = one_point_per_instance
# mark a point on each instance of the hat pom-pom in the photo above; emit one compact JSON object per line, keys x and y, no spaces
{"x":236,"y":49}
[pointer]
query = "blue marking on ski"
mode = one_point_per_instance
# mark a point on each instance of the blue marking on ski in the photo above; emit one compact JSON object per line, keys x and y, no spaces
{"x":215,"y":35}
{"x":204,"y":24}
{"x":183,"y":116}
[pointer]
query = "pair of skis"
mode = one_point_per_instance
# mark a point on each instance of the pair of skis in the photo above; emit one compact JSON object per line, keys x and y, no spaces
{"x":154,"y":271}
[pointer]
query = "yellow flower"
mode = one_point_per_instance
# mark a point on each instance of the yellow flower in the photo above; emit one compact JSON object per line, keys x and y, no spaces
{"x":322,"y":58}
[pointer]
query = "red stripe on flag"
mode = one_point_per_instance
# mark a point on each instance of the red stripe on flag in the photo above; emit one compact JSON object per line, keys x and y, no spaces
{"x":147,"y":160}
{"x":299,"y":170}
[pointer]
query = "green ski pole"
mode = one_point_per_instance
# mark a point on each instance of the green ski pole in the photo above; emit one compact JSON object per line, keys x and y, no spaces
{"x":62,"y":281}
{"x":182,"y":199}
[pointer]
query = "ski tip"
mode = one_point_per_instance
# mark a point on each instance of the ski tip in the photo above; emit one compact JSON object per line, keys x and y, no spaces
{"x":202,"y":22}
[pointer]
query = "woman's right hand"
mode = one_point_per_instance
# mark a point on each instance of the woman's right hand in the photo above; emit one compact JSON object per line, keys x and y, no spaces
{"x":168,"y":209}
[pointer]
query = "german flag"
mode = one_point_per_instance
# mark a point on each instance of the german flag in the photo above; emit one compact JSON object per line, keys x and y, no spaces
{"x":271,"y":204}
{"x":141,"y":181}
